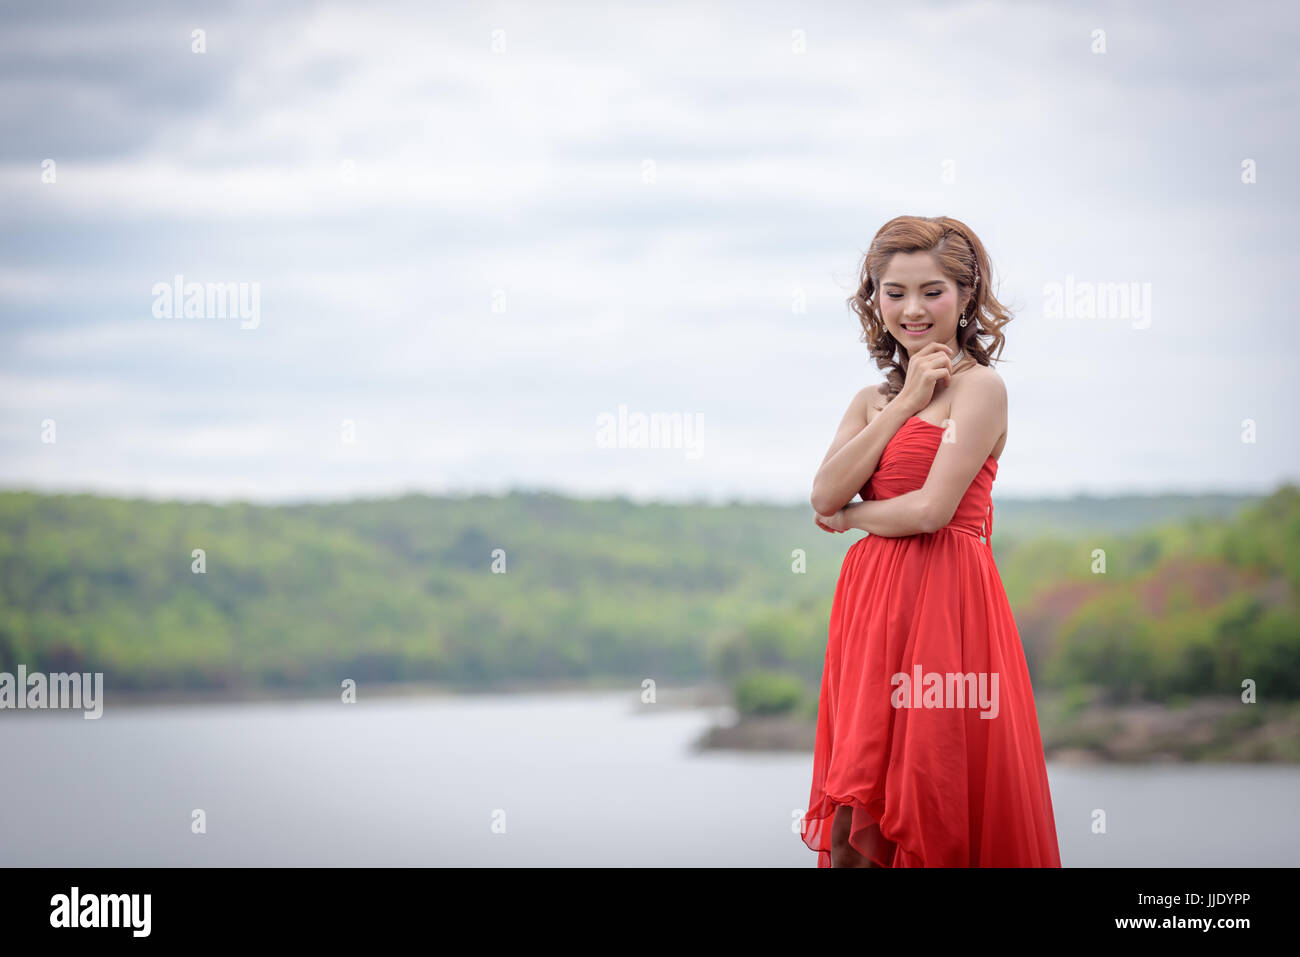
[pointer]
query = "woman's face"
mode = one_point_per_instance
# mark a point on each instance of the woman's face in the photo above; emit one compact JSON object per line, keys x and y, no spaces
{"x":918,"y":302}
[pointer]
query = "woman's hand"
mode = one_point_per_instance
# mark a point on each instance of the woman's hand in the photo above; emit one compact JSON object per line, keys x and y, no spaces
{"x":931,"y":366}
{"x":834,"y":523}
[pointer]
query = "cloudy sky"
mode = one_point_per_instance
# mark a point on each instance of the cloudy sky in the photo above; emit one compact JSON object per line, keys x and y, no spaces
{"x":474,"y":229}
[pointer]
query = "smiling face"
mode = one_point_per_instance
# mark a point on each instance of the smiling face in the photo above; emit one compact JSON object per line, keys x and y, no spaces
{"x":919,"y":303}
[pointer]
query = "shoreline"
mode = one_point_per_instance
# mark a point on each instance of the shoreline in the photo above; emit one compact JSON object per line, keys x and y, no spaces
{"x":1074,"y":732}
{"x":1198,"y":730}
{"x":669,"y":695}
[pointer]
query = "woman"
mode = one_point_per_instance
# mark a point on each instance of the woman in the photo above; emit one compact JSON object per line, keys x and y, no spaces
{"x":928,"y":752}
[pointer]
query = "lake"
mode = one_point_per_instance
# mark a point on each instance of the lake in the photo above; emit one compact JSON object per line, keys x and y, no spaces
{"x":592,"y":778}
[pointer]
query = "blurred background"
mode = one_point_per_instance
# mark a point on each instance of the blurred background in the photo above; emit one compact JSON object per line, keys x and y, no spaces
{"x":480,"y":356}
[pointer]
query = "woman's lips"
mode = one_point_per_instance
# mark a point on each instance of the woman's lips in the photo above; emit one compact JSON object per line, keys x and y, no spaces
{"x":918,"y":332}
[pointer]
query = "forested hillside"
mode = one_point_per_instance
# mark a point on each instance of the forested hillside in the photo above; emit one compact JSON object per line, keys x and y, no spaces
{"x":472,"y":590}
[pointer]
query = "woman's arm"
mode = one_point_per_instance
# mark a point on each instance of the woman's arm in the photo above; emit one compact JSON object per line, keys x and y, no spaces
{"x":977,"y":420}
{"x":855,"y":451}
{"x":890,"y":517}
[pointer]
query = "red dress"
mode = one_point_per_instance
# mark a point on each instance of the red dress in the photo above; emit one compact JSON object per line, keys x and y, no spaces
{"x":931,"y":782}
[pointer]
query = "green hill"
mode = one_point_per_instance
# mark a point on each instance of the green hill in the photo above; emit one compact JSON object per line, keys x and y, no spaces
{"x":405,"y":589}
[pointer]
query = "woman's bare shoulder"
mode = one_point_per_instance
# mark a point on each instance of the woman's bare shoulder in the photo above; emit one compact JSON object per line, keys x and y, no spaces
{"x":980,"y":391}
{"x":876,"y":398}
{"x":987,"y":381}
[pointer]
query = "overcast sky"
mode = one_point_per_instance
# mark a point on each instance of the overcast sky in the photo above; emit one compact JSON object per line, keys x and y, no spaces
{"x":475,"y":228}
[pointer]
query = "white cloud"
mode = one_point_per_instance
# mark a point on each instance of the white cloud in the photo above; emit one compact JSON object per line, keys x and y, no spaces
{"x":522,"y":171}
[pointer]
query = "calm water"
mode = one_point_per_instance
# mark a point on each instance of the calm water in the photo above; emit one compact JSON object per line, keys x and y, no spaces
{"x":589,"y":778}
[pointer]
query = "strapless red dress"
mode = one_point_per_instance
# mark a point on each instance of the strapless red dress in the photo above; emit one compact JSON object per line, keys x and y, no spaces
{"x":926,"y":724}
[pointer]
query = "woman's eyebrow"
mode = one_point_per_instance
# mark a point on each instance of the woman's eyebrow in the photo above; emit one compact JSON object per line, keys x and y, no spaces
{"x":923,"y":285}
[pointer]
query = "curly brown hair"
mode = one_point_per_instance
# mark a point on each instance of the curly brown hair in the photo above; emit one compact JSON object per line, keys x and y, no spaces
{"x":959,"y":253}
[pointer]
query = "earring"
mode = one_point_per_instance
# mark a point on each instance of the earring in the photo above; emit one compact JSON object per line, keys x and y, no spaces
{"x":973,"y":288}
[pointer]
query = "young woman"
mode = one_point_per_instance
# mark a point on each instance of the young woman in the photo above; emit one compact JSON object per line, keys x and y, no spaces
{"x":928,"y":752}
